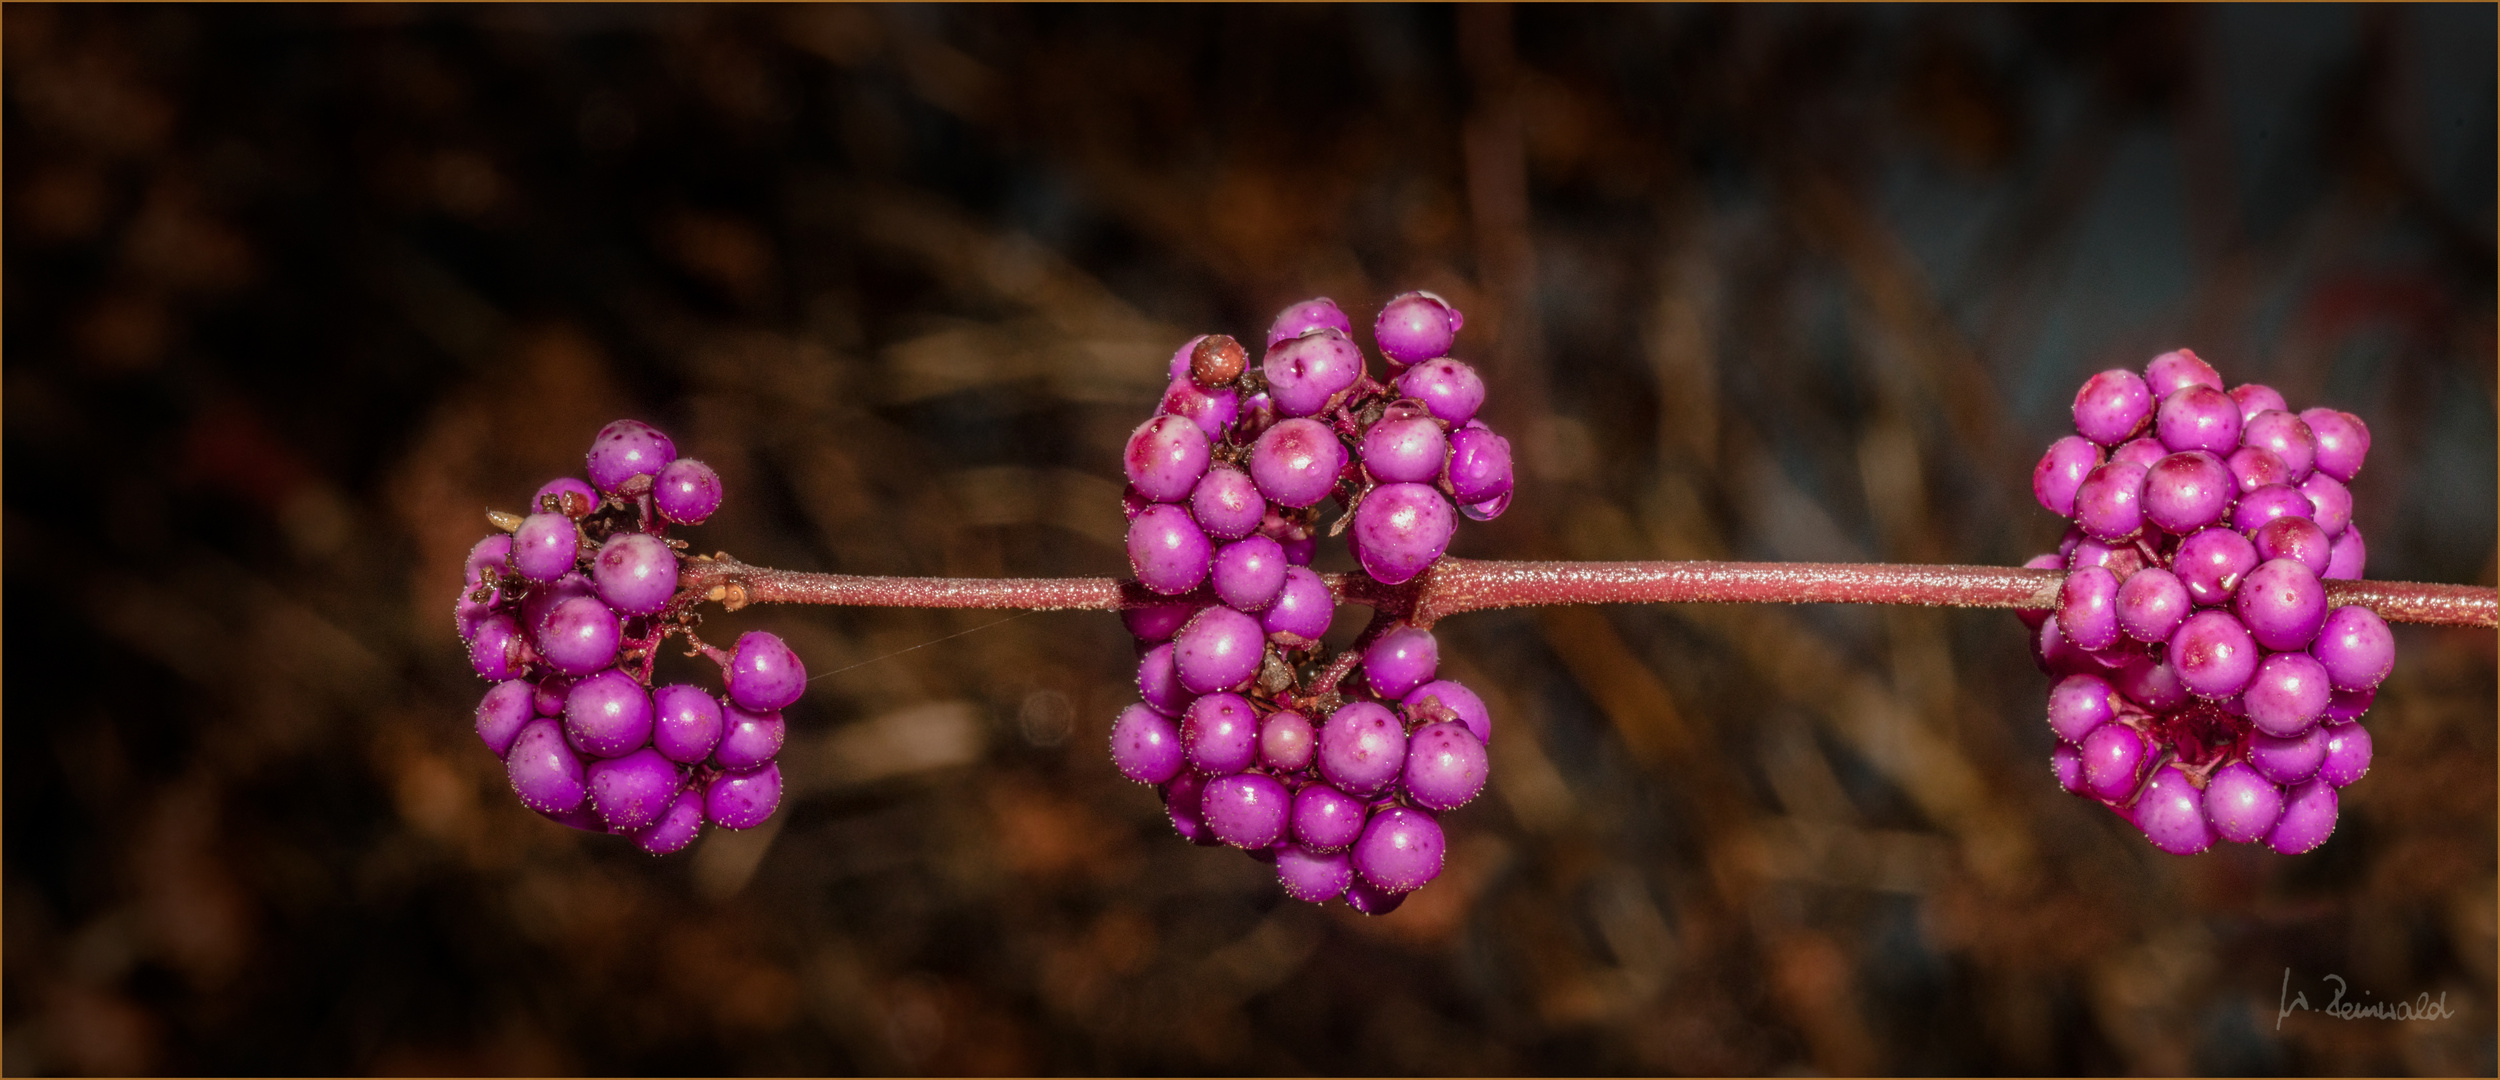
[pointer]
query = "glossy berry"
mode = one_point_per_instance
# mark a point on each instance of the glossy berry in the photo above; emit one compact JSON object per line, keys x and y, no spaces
{"x":2172,"y":813}
{"x":686,"y":723}
{"x":545,"y":773}
{"x":1400,"y":661}
{"x":580,"y":636}
{"x":624,"y":450}
{"x":1321,"y":313}
{"x":2242,"y":805}
{"x":608,"y":715}
{"x":687,"y":492}
{"x":749,"y":739}
{"x":1165,"y":457}
{"x":631,"y":792}
{"x":502,"y":713}
{"x":1287,"y":741}
{"x":1226,"y":503}
{"x":1249,"y":573}
{"x":544,"y":547}
{"x":2061,"y":471}
{"x":677,"y":826}
{"x":1145,"y":745}
{"x":1401,"y":850}
{"x":1445,"y":766}
{"x":1400,"y":529}
{"x":1246,"y":810}
{"x":1296,"y":463}
{"x":1220,"y":734}
{"x":1306,"y":373}
{"x":2079,"y":705}
{"x":2111,"y":408}
{"x":2343,"y":441}
{"x":2355,"y":648}
{"x":764,"y":675}
{"x":2198,"y":418}
{"x":1313,"y":877}
{"x":635,"y":573}
{"x":743,"y":800}
{"x":1450,"y":390}
{"x":1416,"y":327}
{"x":1362,"y":748}
{"x":1220,"y":649}
{"x":1167,"y":551}
{"x":1302,"y":611}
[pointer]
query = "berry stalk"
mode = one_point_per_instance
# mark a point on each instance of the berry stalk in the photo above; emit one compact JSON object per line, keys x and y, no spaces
{"x":1458,"y":585}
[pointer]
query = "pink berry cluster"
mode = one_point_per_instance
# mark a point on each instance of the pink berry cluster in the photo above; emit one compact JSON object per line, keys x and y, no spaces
{"x":564,"y":614}
{"x":1244,"y":727}
{"x":2205,"y":690}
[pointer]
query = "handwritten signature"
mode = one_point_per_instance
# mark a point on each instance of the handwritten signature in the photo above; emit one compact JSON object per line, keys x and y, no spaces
{"x":2422,"y":1007}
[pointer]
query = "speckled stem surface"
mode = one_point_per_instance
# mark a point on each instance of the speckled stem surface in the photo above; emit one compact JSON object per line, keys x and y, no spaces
{"x":1457,"y":585}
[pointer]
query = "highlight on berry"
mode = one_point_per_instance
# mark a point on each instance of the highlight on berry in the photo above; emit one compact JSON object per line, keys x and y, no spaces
{"x":1335,"y":769}
{"x":2205,"y":691}
{"x":565,"y":612}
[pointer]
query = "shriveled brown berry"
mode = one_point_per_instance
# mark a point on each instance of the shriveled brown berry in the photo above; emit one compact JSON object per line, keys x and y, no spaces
{"x":1216,"y":360}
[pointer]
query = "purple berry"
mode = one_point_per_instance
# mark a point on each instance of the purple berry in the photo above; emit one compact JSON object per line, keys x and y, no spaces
{"x":1218,"y":650}
{"x":2242,"y":805}
{"x":2347,"y":754}
{"x":2198,"y":418}
{"x":1296,"y":462}
{"x":764,"y":675}
{"x":630,"y":793}
{"x":2355,"y":648}
{"x":1301,"y":613}
{"x":626,"y":449}
{"x":2346,"y":706}
{"x":2256,"y":508}
{"x":2109,"y":505}
{"x":1446,"y":699}
{"x":564,"y":495}
{"x":2111,"y":408}
{"x":1302,"y":318}
{"x":2297,"y":539}
{"x":544,"y":546}
{"x":1416,"y":327}
{"x":2254,"y":398}
{"x":1400,"y":850}
{"x":2282,"y":604}
{"x":2212,"y":563}
{"x":1212,"y":410}
{"x":2188,"y":491}
{"x":502,"y":713}
{"x":2308,"y":818}
{"x":1246,"y":810}
{"x":545,"y":773}
{"x":2288,"y":761}
{"x":2087,"y":609}
{"x":495,"y":649}
{"x":2214,"y":655}
{"x":1287,"y":741}
{"x":2151,"y":683}
{"x":742,"y":800}
{"x":580,"y":636}
{"x":2287,"y":695}
{"x":1479,"y":468}
{"x":1450,"y":390}
{"x":1445,"y":766}
{"x":1220,"y":734}
{"x":1181,"y":803}
{"x":2113,"y":756}
{"x":1159,"y":682}
{"x":2061,"y":471}
{"x":1249,"y":573}
{"x":687,"y":492}
{"x":2151,"y":605}
{"x":2286,"y":437}
{"x":1226,"y":503}
{"x":1167,"y":551}
{"x":749,"y":739}
{"x":2066,"y":764}
{"x":2176,"y":370}
{"x":1165,"y":457}
{"x":2347,"y":557}
{"x":2171,"y":811}
{"x":686,"y":723}
{"x":2330,"y":502}
{"x":1362,"y":748}
{"x":677,"y":826}
{"x":1145,"y":746}
{"x":608,"y":715}
{"x":1400,"y":529}
{"x":2254,"y":467}
{"x":1326,"y":819}
{"x":635,"y":573}
{"x":1306,"y":373}
{"x":2079,"y":705}
{"x":1370,"y":899}
{"x":2141,"y":453}
{"x":1158,"y":622}
{"x":1398,"y":662}
{"x":1406,"y":451}
{"x":2342,"y":439}
{"x":1313,"y":877}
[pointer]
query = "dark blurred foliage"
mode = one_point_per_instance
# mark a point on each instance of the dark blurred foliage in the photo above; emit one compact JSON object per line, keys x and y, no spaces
{"x":295,"y":294}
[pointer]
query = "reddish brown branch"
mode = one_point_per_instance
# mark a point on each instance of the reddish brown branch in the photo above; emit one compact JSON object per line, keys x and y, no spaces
{"x":1458,"y":585}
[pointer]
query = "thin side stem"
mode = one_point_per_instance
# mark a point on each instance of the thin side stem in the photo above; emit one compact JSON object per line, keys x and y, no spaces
{"x":1459,"y":585}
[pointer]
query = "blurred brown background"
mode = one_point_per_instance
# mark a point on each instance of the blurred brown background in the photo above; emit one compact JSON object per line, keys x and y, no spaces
{"x":295,"y":294}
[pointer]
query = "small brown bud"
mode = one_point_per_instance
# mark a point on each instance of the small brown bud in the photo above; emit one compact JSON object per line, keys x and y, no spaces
{"x":1217,"y":359}
{"x":502,"y":520}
